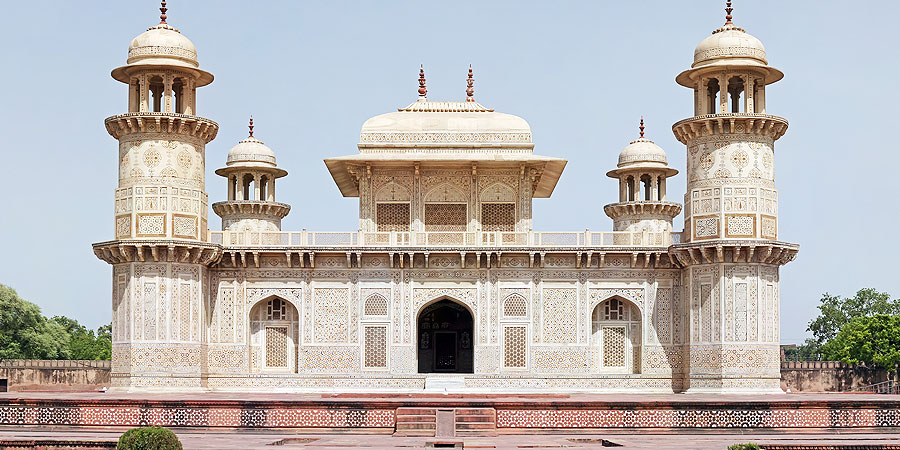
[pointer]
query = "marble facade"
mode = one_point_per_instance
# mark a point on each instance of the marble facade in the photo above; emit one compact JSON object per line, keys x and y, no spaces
{"x":445,"y":285}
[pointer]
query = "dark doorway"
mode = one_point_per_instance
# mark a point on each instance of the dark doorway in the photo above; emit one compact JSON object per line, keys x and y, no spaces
{"x":445,"y":338}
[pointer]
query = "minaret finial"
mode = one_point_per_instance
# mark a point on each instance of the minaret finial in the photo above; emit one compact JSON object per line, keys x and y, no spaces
{"x":422,"y":89}
{"x":251,"y":125}
{"x":642,"y":126}
{"x":728,"y":10}
{"x":470,"y":90}
{"x":162,"y":10}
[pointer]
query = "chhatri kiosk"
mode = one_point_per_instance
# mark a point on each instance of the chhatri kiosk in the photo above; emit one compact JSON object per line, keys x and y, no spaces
{"x":443,"y":283}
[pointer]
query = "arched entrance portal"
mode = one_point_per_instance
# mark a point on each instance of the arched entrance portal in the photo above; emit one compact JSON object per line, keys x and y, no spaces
{"x":445,"y":339}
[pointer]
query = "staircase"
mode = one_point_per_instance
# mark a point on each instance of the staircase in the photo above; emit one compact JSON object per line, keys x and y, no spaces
{"x":423,"y":422}
{"x":416,"y":422}
{"x":476,"y":422}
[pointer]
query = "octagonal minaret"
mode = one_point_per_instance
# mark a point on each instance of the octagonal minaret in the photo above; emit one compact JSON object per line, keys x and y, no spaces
{"x":729,"y":250}
{"x":642,"y":207}
{"x":251,"y":173}
{"x":160,"y":253}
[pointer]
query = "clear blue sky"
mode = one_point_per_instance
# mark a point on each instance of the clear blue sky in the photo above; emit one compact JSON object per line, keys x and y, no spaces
{"x":581,"y":73}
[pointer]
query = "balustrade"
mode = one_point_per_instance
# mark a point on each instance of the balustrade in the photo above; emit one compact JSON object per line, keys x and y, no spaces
{"x":540,"y":239}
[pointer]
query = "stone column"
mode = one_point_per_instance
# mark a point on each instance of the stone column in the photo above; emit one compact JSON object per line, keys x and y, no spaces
{"x":761,"y":97}
{"x":637,"y":187}
{"x":723,"y":93}
{"x":662,"y":189}
{"x":256,"y":190}
{"x":749,"y":83}
{"x":168,"y":104}
{"x":271,"y":189}
{"x":145,"y":93}
{"x":623,"y":190}
{"x":703,"y":98}
{"x":654,"y":188}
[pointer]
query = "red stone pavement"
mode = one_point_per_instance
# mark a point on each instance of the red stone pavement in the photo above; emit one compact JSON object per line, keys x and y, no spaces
{"x":225,"y":440}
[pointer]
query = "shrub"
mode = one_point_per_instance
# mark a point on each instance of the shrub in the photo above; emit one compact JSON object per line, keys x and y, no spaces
{"x":747,"y":446}
{"x":149,"y":438}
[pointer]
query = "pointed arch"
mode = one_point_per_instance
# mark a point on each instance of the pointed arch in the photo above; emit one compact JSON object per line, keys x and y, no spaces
{"x":515,"y":305}
{"x":446,"y":192}
{"x":274,"y":335}
{"x":498,"y":192}
{"x":375,"y":305}
{"x":616,"y":328}
{"x":392,"y":192}
{"x":445,"y":337}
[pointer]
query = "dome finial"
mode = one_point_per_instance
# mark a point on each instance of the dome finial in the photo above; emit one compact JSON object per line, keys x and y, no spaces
{"x":642,"y":126}
{"x":422,"y":89}
{"x":251,"y":125}
{"x":728,"y":10}
{"x":470,"y":90}
{"x":162,"y":10}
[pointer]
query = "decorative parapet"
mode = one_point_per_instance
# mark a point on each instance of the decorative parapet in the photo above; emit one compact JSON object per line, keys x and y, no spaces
{"x":732,"y":123}
{"x":442,"y":239}
{"x":149,"y":122}
{"x":54,"y":364}
{"x":444,"y":138}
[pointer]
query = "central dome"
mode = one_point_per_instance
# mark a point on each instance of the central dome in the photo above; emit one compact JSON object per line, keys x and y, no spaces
{"x":427,"y":122}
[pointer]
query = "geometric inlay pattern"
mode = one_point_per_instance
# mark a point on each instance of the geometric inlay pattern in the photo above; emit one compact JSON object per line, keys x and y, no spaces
{"x":613,"y":346}
{"x":515,"y":306}
{"x":392,"y":216}
{"x":376,"y":347}
{"x":498,"y":217}
{"x":276,"y":347}
{"x":445,"y":217}
{"x":514,"y":348}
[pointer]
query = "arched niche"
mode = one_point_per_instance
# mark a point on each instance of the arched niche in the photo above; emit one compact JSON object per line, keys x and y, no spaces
{"x":445,"y":340}
{"x":498,"y":192}
{"x":274,"y":336}
{"x":616,"y":325}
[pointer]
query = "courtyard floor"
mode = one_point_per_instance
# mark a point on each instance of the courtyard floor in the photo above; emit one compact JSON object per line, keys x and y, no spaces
{"x":224,"y":440}
{"x":263,"y":438}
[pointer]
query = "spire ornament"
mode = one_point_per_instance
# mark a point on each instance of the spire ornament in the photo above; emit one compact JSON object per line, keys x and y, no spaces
{"x":728,"y":10}
{"x":162,"y":11}
{"x":470,"y":90}
{"x":642,"y":127}
{"x":422,"y":89}
{"x":251,"y":126}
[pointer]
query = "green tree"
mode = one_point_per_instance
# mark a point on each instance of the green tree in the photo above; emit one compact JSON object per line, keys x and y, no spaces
{"x":836,"y":311}
{"x":868,"y":340}
{"x":25,"y":333}
{"x":82,"y":343}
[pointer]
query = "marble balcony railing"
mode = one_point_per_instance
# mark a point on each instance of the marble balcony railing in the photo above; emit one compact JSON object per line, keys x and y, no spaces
{"x":494,"y":239}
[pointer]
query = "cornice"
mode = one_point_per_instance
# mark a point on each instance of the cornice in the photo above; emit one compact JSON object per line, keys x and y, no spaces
{"x":245,"y":209}
{"x":733,"y":123}
{"x":642,"y":208}
{"x":734,"y":251}
{"x":198,"y":127}
{"x":163,"y":250}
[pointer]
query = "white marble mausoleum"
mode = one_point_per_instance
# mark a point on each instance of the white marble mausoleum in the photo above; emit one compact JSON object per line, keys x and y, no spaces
{"x":443,"y":283}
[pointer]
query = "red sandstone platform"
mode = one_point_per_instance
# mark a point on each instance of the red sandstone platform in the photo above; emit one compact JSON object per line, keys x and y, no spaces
{"x":456,"y":414}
